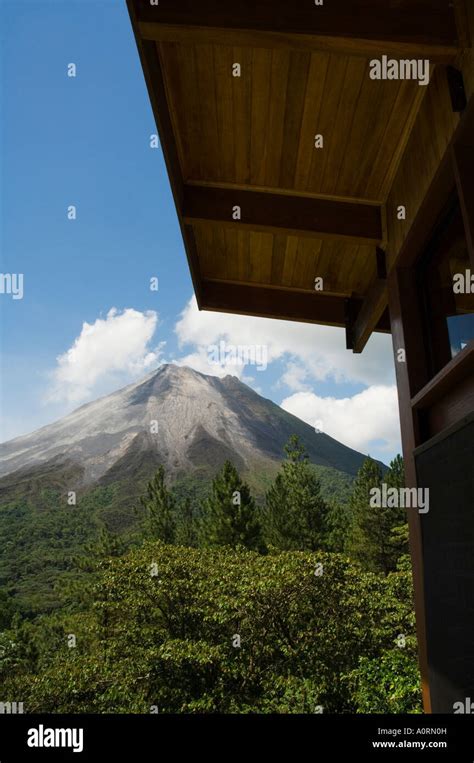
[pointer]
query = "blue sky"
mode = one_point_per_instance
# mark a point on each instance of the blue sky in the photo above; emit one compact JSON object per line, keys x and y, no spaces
{"x":88,"y":322}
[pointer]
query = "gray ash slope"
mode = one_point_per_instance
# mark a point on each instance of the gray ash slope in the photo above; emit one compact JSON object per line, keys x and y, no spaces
{"x":202,"y":420}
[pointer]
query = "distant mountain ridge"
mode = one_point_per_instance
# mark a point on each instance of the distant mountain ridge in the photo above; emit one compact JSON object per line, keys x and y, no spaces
{"x":183,"y":419}
{"x":105,"y":453}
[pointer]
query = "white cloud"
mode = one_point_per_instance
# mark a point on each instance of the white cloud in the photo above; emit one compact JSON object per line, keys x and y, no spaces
{"x":367,"y":421}
{"x":295,"y":377}
{"x":118,"y":349}
{"x":360,"y":422}
{"x":109,"y":351}
{"x":200,"y":362}
{"x":313,"y":353}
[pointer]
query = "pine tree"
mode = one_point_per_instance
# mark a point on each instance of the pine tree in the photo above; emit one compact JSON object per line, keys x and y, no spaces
{"x":294,"y":508}
{"x":373,"y":542}
{"x":106,"y":545}
{"x":229,"y":514}
{"x":337,"y":527}
{"x":395,"y":477}
{"x":78,"y":590}
{"x":160,"y":506}
{"x":102,"y":546}
{"x":367,"y":538}
{"x":186,"y":524}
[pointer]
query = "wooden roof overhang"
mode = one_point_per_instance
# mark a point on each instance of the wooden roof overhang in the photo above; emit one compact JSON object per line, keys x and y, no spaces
{"x":248,"y":141}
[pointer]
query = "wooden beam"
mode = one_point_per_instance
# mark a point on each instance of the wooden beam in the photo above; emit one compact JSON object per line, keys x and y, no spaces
{"x":452,"y":171}
{"x":350,"y":309}
{"x":373,"y":307}
{"x":462,"y":23}
{"x":274,"y":303}
{"x":370,"y":314}
{"x":459,"y":368}
{"x":279,"y":286}
{"x":463,"y":165}
{"x":376,"y":202}
{"x":278,"y":213}
{"x":282,"y":304}
{"x":342,"y":46}
{"x":403,"y":142}
{"x":437,"y":194}
{"x":407,"y":335}
{"x":154,"y":79}
{"x":413,"y":28}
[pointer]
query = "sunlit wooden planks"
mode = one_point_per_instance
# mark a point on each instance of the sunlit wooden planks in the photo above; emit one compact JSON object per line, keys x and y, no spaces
{"x":286,"y":261}
{"x":260,"y":128}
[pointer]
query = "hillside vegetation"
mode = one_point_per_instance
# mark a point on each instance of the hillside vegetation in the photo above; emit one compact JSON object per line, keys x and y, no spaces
{"x":296,"y":604}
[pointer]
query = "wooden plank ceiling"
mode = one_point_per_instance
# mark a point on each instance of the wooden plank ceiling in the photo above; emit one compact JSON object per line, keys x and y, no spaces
{"x":248,"y":142}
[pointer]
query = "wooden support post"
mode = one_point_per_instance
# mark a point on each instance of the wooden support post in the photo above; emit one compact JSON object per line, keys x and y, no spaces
{"x":349,"y":314}
{"x":411,"y":373}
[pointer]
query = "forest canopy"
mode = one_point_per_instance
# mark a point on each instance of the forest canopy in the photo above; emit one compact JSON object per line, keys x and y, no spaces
{"x":294,"y":606}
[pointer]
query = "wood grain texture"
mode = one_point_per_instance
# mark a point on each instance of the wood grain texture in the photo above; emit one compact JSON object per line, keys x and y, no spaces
{"x":410,"y":26}
{"x":424,"y":21}
{"x":429,"y":140}
{"x":304,"y":70}
{"x":260,"y":128}
{"x":312,"y":217}
{"x":406,"y":326}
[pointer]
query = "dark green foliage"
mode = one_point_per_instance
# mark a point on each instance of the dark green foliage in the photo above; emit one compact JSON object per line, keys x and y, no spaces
{"x":106,"y":544}
{"x":187,"y":524}
{"x":336,"y":487}
{"x":159,"y":505}
{"x":395,"y":475}
{"x":389,"y":683}
{"x":169,"y":641}
{"x":230,"y":516}
{"x":367,"y":533}
{"x":337,"y":527}
{"x":8,"y":608}
{"x":372,"y":541}
{"x":159,"y":625}
{"x":294,"y":508}
{"x":39,"y":545}
{"x":41,"y":536}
